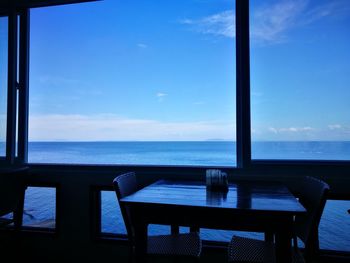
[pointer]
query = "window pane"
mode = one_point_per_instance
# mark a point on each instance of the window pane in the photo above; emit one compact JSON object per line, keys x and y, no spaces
{"x":40,"y":207}
{"x":226,"y":235}
{"x":334,"y":230}
{"x":111,"y":217}
{"x":3,"y":82}
{"x":112,"y":220}
{"x":300,"y":73}
{"x":108,"y":88}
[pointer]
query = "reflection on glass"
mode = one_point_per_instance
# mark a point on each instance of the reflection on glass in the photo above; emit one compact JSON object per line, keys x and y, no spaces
{"x":244,"y":196}
{"x":40,"y":207}
{"x":300,"y":76}
{"x":215,"y":198}
{"x":3,"y":83}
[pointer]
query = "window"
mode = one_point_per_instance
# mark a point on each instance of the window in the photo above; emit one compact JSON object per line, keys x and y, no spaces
{"x":334,"y":230}
{"x":106,"y":87}
{"x":300,"y":63}
{"x":115,"y":84}
{"x":112,"y":220}
{"x":3,"y":83}
{"x":111,"y":217}
{"x":40,"y":207}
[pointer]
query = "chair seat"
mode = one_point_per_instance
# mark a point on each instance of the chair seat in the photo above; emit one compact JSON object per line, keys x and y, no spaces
{"x":242,"y":249}
{"x":188,"y":244}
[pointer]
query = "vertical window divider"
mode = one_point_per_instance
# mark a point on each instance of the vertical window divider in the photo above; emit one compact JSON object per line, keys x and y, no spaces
{"x":23,"y":99}
{"x":243,"y":125}
{"x":12,"y":87}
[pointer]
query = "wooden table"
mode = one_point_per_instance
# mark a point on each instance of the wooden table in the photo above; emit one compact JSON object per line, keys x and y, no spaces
{"x":247,"y":206}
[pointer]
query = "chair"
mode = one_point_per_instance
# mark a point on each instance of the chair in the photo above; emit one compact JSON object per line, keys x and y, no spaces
{"x":12,"y":196}
{"x":312,"y":195}
{"x":12,"y":189}
{"x":174,"y":245}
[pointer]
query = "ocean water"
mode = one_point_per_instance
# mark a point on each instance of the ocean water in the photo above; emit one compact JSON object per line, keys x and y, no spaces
{"x":39,"y":204}
{"x":148,"y":153}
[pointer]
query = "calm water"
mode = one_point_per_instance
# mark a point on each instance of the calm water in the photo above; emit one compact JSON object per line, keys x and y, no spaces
{"x":157,"y":153}
{"x":334,"y":227}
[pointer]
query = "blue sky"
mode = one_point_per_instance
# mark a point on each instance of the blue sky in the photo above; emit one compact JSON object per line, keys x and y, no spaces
{"x":300,"y":76}
{"x":165,"y":70}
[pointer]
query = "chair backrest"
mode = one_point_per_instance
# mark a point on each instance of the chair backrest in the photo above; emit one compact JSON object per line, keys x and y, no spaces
{"x":124,"y":185}
{"x":11,"y":190}
{"x":312,"y":195}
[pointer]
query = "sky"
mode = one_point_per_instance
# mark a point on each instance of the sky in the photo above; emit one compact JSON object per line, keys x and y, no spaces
{"x":165,"y":70}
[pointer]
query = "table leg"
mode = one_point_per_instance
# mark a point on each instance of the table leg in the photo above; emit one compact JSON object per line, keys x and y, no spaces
{"x":283,"y":242}
{"x":140,"y":242}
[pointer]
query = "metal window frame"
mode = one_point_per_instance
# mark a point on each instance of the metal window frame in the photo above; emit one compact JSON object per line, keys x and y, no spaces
{"x":17,"y":87}
{"x":23,"y":100}
{"x":243,"y":140}
{"x":11,"y":86}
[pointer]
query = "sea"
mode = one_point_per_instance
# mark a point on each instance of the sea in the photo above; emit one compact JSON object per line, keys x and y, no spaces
{"x":39,"y":207}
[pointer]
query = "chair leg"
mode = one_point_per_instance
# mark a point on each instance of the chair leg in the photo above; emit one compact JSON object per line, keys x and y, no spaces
{"x":312,"y":247}
{"x":268,"y":236}
{"x":194,"y":229}
{"x":131,"y":255}
{"x":18,"y":213}
{"x":175,"y":229}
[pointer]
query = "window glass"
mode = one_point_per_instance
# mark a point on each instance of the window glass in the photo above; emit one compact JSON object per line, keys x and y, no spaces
{"x":226,"y":235}
{"x":40,"y":207}
{"x":112,"y":223}
{"x":3,"y":82}
{"x":334,"y":230}
{"x":112,"y":220}
{"x":111,"y":217}
{"x":300,"y":74}
{"x":111,"y":83}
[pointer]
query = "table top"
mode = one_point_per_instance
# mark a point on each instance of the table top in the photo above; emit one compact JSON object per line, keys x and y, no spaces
{"x":247,"y":195}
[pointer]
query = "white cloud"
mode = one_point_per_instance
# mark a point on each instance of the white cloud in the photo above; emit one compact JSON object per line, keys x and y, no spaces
{"x":330,"y":8}
{"x":161,"y":95}
{"x":270,"y":23}
{"x":141,"y":45}
{"x":334,"y":126}
{"x":109,"y":127}
{"x":221,"y":24}
{"x":57,"y":80}
{"x":289,"y":129}
{"x":187,"y":21}
{"x":274,"y":130}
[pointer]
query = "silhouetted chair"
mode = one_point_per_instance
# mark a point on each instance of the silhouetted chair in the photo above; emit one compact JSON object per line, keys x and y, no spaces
{"x":12,"y":196}
{"x":176,"y":245}
{"x":312,"y":195}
